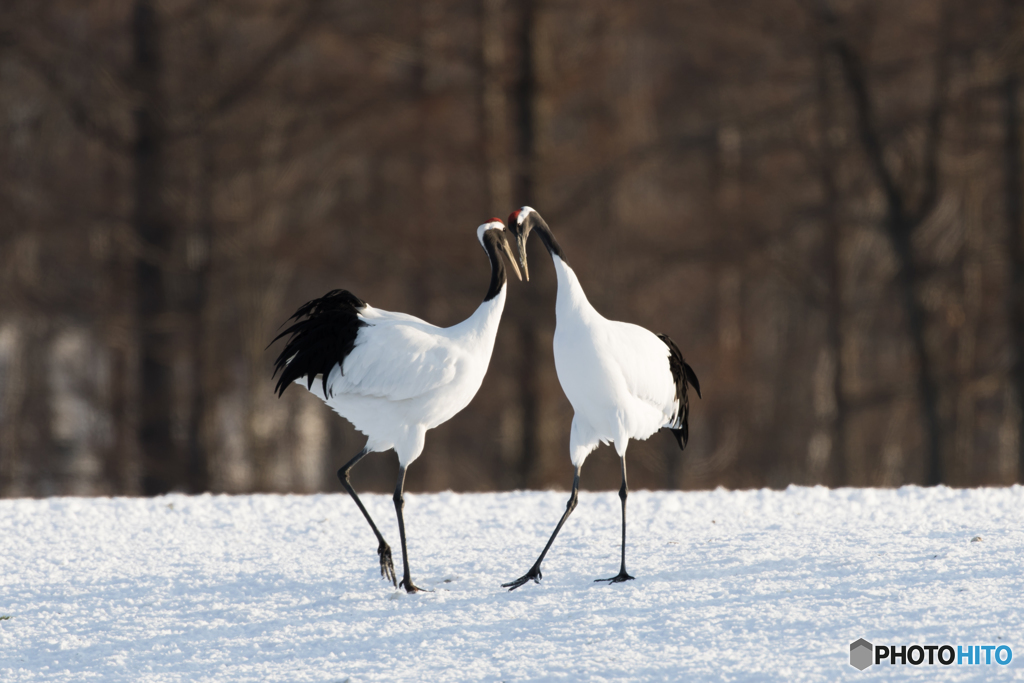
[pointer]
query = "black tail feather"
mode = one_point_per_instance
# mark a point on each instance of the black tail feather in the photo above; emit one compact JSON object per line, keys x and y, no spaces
{"x":682,"y":435}
{"x":323,"y":335}
{"x":691,"y":377}
{"x":682,"y":374}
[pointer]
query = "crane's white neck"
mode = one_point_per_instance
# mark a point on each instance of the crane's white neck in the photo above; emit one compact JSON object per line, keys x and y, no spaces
{"x":571,"y":296}
{"x":484,"y":320}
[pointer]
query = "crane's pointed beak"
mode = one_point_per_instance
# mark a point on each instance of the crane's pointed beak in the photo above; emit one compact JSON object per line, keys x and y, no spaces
{"x":511,"y":257}
{"x":521,"y":243}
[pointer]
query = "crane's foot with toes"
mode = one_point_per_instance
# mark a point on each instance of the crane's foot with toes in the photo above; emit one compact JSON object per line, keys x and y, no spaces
{"x":387,"y":567}
{"x":533,"y":574}
{"x":410,"y":587}
{"x":618,"y":578}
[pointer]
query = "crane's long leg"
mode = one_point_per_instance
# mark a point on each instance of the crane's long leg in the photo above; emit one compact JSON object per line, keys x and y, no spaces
{"x":387,"y":567}
{"x":534,"y":572}
{"x":623,"y":575}
{"x":399,"y":498}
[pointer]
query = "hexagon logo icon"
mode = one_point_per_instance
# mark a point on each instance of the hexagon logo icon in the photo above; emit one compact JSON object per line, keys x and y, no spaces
{"x":861,"y":654}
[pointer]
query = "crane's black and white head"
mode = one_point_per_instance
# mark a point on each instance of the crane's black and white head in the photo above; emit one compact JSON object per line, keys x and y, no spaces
{"x":521,"y":223}
{"x":493,"y":238}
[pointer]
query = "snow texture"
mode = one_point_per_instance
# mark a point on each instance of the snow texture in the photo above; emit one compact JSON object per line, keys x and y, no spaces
{"x":730,"y":586}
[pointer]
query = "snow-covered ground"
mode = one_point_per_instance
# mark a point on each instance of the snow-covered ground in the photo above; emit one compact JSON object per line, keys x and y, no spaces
{"x":730,"y":585}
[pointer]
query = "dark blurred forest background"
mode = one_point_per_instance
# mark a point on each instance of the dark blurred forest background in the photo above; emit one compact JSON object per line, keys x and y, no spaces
{"x":818,"y":200}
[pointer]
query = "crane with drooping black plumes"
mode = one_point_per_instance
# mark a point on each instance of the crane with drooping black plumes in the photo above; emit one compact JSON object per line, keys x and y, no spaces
{"x":392,"y":375}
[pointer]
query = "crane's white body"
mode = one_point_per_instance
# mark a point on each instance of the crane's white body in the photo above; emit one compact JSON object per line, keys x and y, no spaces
{"x":623,"y":381}
{"x":392,"y":375}
{"x":405,"y":376}
{"x":616,"y":375}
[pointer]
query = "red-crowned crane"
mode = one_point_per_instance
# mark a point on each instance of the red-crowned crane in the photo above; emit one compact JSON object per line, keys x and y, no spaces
{"x":392,"y":375}
{"x":623,"y":381}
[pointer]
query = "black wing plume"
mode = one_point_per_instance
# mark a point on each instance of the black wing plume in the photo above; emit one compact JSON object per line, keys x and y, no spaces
{"x":682,"y":374}
{"x":322,"y":337}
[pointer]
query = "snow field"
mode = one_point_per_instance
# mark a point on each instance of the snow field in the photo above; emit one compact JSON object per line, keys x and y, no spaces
{"x":730,"y":586}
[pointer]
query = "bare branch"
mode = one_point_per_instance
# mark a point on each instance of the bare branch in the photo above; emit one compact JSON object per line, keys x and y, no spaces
{"x":254,"y":75}
{"x":80,"y":112}
{"x":936,"y":113}
{"x":867,"y":125}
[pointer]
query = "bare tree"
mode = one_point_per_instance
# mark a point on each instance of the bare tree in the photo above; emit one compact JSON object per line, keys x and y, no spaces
{"x":908,"y":205}
{"x":1014,"y":178}
{"x":821,"y":209}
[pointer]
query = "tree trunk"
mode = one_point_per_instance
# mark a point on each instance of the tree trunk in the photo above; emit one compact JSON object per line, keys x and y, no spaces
{"x":900,"y":232}
{"x":827,"y":164}
{"x":523,"y":186}
{"x":1015,"y":216}
{"x":198,"y":260}
{"x":153,"y":235}
{"x":901,"y":220}
{"x":120,"y":465}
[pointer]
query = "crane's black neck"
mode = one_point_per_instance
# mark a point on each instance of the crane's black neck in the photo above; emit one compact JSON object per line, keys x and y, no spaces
{"x":544,"y":232}
{"x":492,"y":245}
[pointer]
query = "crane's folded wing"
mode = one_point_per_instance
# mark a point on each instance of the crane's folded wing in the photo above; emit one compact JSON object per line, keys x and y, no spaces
{"x":643,"y":360}
{"x":395,"y":360}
